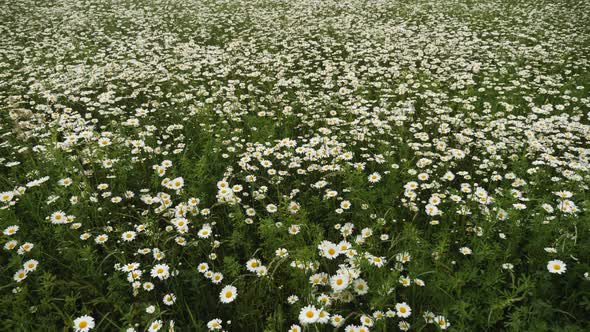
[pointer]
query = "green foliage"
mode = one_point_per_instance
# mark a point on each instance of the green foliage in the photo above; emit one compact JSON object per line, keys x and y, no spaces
{"x":439,"y":148}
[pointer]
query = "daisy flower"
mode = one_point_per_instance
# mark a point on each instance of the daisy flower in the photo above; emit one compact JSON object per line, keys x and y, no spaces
{"x":336,"y":320}
{"x":100,"y":239}
{"x":10,"y":230}
{"x":214,"y":324}
{"x":160,"y":271}
{"x":253,"y":265}
{"x":20,"y":275}
{"x":556,"y":266}
{"x":465,"y":251}
{"x":30,"y":265}
{"x":442,"y":322}
{"x":403,"y":310}
{"x":83,"y":323}
{"x":339,"y":282}
{"x":375,"y":177}
{"x":169,"y":299}
{"x":271,"y":208}
{"x":6,"y":196}
{"x":203,"y":267}
{"x":228,"y":294}
{"x":155,"y":326}
{"x":308,"y":315}
{"x":330,"y":250}
{"x":128,"y":236}
{"x":360,"y":287}
{"x":58,"y":217}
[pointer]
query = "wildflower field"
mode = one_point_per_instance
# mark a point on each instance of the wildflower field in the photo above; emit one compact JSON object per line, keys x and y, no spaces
{"x":294,"y":165}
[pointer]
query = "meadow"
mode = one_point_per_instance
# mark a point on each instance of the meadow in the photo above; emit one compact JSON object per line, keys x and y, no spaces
{"x":295,"y":165}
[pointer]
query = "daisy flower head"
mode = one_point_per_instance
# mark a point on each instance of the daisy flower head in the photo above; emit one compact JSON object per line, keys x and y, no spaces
{"x":155,"y":326}
{"x":214,"y":324}
{"x":294,"y":207}
{"x":374,"y":177}
{"x":160,"y":271}
{"x":308,"y":315}
{"x":323,"y":317}
{"x":330,"y":250}
{"x":128,"y":236}
{"x":292,"y":299}
{"x":20,"y":275}
{"x":403,"y":325}
{"x":465,"y":251}
{"x":366,"y":321}
{"x":203,"y":267}
{"x":205,"y":232}
{"x":271,"y":208}
{"x":339,"y":282}
{"x":336,"y":320}
{"x":556,"y":266}
{"x":217,"y":277}
{"x":58,"y":217}
{"x":10,"y":245}
{"x":361,"y":287}
{"x":176,"y":184}
{"x":6,"y":196}
{"x":83,"y":323}
{"x":442,"y":322}
{"x":403,"y":310}
{"x":253,"y":265}
{"x":30,"y":265}
{"x":24,"y":248}
{"x":169,"y":299}
{"x":228,"y":294}
{"x":11,"y":230}
{"x":100,"y":239}
{"x":377,"y":261}
{"x":294,"y":229}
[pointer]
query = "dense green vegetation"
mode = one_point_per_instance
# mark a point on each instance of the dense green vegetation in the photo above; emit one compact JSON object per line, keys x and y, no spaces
{"x":280,"y":165}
